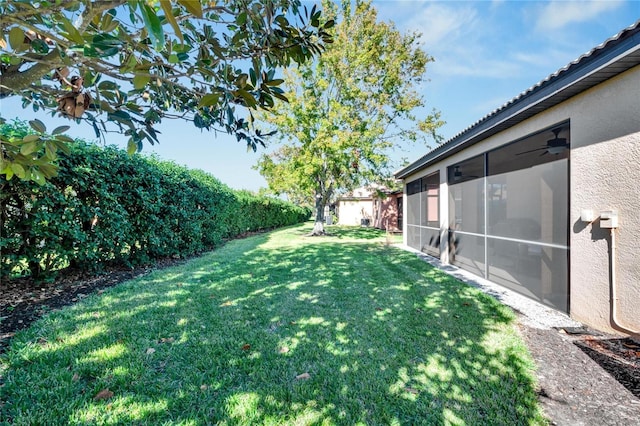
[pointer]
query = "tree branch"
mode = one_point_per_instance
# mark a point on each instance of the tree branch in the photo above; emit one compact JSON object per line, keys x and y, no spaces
{"x":94,"y":8}
{"x":13,"y":83}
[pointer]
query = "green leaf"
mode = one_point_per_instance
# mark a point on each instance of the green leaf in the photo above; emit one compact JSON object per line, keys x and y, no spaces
{"x":168,"y":13}
{"x":60,"y":129}
{"x":140,"y":81}
{"x":275,"y":82}
{"x":132,"y":147}
{"x":37,"y":177}
{"x":154,"y":26}
{"x":39,"y":46}
{"x":280,"y":96}
{"x":173,"y":59}
{"x":107,"y":85}
{"x":18,"y":170}
{"x":48,"y":170}
{"x":209,"y":99}
{"x":31,"y":138}
{"x":121,"y":116}
{"x":249,"y":100}
{"x":63,"y":139}
{"x":50,"y":150}
{"x":38,"y":125}
{"x":8,"y":172}
{"x":103,"y":46}
{"x":29,"y":148}
{"x":16,"y":37}
{"x":73,"y":33}
{"x":194,"y":7}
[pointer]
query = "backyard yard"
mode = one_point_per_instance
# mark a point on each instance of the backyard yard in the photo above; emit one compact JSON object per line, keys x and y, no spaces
{"x":278,"y":328}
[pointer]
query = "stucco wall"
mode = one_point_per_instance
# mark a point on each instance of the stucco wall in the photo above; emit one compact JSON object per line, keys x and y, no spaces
{"x":350,"y":212}
{"x":604,"y":174}
{"x":386,"y":213}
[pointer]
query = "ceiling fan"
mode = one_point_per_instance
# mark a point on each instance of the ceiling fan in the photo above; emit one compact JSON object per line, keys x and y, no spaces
{"x":457,"y":174}
{"x":554,"y":146}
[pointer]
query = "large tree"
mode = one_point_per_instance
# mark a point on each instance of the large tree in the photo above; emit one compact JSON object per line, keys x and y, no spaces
{"x":348,"y":109}
{"x":125,"y":65}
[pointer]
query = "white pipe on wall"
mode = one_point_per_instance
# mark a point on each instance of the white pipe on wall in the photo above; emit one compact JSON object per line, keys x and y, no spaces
{"x":614,"y":311}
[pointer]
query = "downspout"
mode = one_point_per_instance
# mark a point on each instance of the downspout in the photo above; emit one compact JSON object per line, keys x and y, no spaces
{"x":614,"y":298}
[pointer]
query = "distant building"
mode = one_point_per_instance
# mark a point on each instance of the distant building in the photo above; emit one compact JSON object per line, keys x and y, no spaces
{"x":371,"y":206}
{"x":387,"y":211}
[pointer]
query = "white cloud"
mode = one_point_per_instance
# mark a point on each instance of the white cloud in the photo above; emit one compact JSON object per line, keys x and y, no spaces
{"x":459,"y":39}
{"x":558,"y":14}
{"x":439,"y":23}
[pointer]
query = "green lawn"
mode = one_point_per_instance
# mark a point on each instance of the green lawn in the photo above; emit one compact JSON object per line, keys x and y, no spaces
{"x":278,"y":328}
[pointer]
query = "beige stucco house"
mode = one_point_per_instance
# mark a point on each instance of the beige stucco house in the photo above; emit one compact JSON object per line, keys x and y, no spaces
{"x":371,"y":206}
{"x":543,"y":194}
{"x":356,"y":207}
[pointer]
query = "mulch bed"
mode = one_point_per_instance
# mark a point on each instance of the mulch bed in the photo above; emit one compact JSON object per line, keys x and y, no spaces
{"x":23,"y":301}
{"x":620,"y":357}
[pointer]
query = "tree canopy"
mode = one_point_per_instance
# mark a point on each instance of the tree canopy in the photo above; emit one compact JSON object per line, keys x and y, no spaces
{"x":348,"y":109}
{"x":126,"y":65}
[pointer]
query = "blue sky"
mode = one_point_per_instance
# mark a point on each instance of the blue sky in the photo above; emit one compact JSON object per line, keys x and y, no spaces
{"x":486,"y":52}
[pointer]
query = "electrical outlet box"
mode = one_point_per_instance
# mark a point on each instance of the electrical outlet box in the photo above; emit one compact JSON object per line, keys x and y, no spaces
{"x":609,"y":219}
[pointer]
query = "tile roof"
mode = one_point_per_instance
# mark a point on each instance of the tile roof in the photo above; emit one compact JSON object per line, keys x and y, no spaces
{"x":612,"y":57}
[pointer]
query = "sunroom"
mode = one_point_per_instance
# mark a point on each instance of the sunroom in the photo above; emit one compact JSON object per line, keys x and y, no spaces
{"x":524,"y":197}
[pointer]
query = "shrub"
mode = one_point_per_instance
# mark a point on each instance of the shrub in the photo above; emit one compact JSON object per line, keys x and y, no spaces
{"x":106,"y":207}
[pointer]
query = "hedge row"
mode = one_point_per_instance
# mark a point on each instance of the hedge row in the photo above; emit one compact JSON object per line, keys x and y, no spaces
{"x":106,"y":207}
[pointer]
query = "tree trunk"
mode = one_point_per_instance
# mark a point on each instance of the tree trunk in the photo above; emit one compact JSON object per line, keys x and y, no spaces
{"x":318,"y":227}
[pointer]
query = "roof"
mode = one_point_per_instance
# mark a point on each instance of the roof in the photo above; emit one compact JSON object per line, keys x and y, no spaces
{"x":368,"y":192}
{"x":614,"y":56}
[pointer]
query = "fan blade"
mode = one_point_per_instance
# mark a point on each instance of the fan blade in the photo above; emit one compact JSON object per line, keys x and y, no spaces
{"x":532,"y":150}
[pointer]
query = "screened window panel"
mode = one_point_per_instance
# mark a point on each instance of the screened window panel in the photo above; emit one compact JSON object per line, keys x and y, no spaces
{"x":530,"y":204}
{"x":413,"y":209}
{"x":466,"y":206}
{"x":430,"y":240}
{"x":413,"y":237}
{"x":431,"y":200}
{"x":414,"y":187}
{"x":535,"y":271}
{"x":467,"y":252}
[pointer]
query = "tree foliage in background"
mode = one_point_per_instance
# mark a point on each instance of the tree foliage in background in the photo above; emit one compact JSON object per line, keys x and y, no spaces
{"x":107,"y":207}
{"x":125,"y":65}
{"x":348,"y":109}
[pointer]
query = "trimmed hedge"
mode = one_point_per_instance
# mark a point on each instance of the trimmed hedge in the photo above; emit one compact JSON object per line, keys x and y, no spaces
{"x":106,"y":207}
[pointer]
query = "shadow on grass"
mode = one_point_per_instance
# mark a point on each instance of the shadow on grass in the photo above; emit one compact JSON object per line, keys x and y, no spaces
{"x":354,"y":232}
{"x":265,"y":332}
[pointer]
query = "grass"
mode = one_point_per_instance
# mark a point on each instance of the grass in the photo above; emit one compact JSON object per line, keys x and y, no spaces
{"x":277,"y":329}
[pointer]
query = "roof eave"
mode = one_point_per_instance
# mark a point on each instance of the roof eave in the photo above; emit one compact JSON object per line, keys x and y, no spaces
{"x":587,"y":71}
